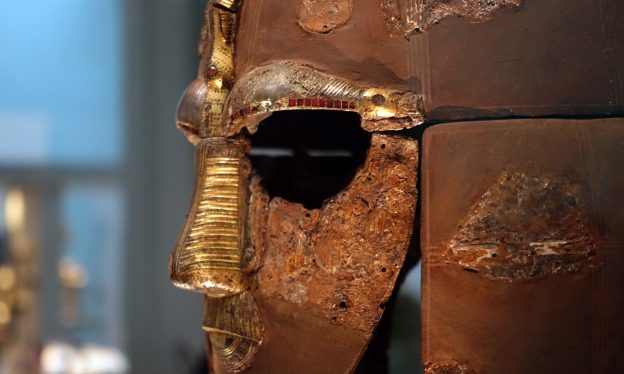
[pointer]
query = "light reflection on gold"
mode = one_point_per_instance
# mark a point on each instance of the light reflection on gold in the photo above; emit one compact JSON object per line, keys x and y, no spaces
{"x":291,"y":85}
{"x":7,"y":278}
{"x":14,"y":210}
{"x":234,"y":328}
{"x":207,"y":257}
{"x":5,"y":313}
{"x":72,"y":274}
{"x":19,"y":330}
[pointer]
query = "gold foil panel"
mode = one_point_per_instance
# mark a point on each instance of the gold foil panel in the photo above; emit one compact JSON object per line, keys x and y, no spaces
{"x":208,"y":254}
{"x":234,"y":328}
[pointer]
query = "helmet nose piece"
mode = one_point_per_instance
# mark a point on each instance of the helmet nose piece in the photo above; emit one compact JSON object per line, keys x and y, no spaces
{"x":207,"y":256}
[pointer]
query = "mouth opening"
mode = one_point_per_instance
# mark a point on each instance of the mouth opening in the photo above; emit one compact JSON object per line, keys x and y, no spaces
{"x":308,"y":156}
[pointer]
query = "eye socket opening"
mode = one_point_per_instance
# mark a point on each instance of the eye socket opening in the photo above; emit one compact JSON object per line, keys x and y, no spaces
{"x":308,"y":156}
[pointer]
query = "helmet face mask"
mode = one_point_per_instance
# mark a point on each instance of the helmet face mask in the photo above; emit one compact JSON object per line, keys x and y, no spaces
{"x":278,"y":275}
{"x":296,"y":265}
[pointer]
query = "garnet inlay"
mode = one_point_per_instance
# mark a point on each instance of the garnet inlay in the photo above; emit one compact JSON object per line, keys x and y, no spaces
{"x":292,"y":102}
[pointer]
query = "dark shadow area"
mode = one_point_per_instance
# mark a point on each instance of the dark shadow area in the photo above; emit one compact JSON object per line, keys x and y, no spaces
{"x":404,"y":350}
{"x":308,"y":156}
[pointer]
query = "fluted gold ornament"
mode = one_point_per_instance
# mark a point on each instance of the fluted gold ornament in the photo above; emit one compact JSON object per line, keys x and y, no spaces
{"x":207,"y":257}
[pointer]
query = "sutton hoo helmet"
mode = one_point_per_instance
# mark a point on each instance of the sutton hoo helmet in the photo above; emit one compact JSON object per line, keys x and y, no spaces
{"x":508,"y":221}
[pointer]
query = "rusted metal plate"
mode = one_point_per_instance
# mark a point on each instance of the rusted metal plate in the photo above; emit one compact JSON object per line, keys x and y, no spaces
{"x":324,"y":275}
{"x":522,"y":234}
{"x":480,"y":59}
{"x":411,"y":17}
{"x":320,"y":278}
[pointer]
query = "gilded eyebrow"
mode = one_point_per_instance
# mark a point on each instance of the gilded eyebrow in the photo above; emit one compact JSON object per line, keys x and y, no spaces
{"x":288,"y":85}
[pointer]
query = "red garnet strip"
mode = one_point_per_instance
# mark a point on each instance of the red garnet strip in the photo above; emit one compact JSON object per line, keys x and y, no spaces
{"x":310,"y":102}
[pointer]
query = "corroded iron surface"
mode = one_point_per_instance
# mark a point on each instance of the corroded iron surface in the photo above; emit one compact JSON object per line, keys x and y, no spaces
{"x":526,"y":228}
{"x":269,"y":269}
{"x":410,"y":17}
{"x":323,"y":16}
{"x":518,"y":248}
{"x":326,"y":260}
{"x":522,"y":230}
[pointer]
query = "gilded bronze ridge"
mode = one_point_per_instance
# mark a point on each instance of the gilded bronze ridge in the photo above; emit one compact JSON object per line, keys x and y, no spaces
{"x":201,"y":106}
{"x":212,"y":237}
{"x":289,"y":85}
{"x":208,"y":255}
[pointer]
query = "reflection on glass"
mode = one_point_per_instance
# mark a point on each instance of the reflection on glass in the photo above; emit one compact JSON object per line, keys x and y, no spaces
{"x":62,"y":358}
{"x":73,"y":278}
{"x":92,"y":260}
{"x":90,"y":279}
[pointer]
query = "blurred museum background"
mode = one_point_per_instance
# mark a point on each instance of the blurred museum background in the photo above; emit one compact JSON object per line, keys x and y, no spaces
{"x":94,"y":185}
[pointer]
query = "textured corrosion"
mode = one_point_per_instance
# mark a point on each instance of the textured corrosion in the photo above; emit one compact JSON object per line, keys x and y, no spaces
{"x":410,"y":17}
{"x":525,"y":228}
{"x":450,"y":367}
{"x":341,"y":261}
{"x":207,"y":257}
{"x":323,"y":16}
{"x":234,"y":328}
{"x":288,"y":85}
